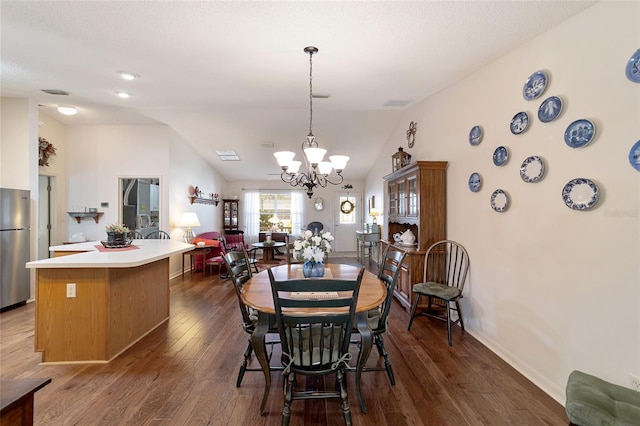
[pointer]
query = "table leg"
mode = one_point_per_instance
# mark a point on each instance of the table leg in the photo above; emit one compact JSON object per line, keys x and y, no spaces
{"x":260,"y":349}
{"x":365,"y":349}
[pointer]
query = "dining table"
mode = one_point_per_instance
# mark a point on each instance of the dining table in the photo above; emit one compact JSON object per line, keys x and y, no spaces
{"x":256,"y":293}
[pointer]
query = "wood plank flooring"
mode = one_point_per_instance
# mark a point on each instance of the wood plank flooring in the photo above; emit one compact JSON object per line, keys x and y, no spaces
{"x":184,"y":373}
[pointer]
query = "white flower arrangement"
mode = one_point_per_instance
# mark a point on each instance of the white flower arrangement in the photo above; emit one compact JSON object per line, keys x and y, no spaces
{"x":117,"y":228}
{"x":313,"y":247}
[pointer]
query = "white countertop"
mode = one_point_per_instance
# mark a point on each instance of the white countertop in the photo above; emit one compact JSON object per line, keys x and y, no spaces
{"x":89,"y":256}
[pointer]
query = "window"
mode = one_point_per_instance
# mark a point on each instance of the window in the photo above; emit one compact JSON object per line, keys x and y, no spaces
{"x":275,"y":212}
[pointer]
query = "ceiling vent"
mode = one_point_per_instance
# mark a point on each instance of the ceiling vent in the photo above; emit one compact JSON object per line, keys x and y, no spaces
{"x":397,"y":102}
{"x":56,"y":92}
{"x":267,"y":144}
{"x":227,"y":155}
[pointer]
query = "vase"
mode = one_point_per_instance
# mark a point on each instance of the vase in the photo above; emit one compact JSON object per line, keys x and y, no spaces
{"x":116,"y":237}
{"x":312,"y":269}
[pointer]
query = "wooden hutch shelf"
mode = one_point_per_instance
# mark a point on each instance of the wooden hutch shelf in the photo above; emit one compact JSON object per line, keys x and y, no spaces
{"x":416,"y":200}
{"x":78,"y":216}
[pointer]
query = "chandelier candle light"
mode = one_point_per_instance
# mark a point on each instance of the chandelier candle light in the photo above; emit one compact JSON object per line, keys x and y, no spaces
{"x":318,"y":173}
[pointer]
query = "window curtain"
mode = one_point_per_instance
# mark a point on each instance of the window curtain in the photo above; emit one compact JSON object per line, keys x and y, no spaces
{"x":297,"y":212}
{"x":251,"y":216}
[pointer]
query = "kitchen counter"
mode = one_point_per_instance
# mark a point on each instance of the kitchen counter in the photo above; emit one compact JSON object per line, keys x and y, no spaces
{"x":93,"y":305}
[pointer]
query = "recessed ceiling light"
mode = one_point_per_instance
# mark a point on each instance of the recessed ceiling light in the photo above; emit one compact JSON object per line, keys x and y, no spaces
{"x":128,"y":75}
{"x":67,"y":110}
{"x":123,"y":95}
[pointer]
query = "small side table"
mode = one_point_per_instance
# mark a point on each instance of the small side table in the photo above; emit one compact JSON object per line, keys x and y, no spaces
{"x":196,"y":251}
{"x":17,"y":400}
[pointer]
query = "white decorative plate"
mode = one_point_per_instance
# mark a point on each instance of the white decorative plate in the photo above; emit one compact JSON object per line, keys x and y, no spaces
{"x":634,"y":156}
{"x":475,"y":182}
{"x":499,"y":200}
{"x":519,"y":123}
{"x":475,"y":135}
{"x":550,"y":109}
{"x":579,"y":133}
{"x":532,"y":169}
{"x":535,"y":85}
{"x":580,"y":194}
{"x":500,"y":156}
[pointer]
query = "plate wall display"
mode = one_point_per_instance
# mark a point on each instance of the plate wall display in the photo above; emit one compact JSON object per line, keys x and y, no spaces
{"x":519,"y":123}
{"x":475,"y":135}
{"x":500,"y":156}
{"x":633,"y":67}
{"x":532,"y":169}
{"x":535,"y":85}
{"x":475,"y":182}
{"x":579,"y":133}
{"x":634,"y":156}
{"x":499,"y":201}
{"x":580,"y":194}
{"x":550,"y":109}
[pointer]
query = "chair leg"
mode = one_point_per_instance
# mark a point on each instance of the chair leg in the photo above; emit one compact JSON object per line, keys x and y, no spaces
{"x":383,"y":353}
{"x":413,"y":309}
{"x":447,"y":308}
{"x":243,"y":367}
{"x":459,"y":315}
{"x":346,"y":411}
{"x":288,"y":397}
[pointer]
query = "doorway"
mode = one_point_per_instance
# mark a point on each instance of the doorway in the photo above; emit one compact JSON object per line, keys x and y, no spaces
{"x":348,"y":218}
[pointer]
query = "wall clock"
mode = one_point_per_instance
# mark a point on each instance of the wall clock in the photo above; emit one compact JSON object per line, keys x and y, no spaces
{"x":319,"y":204}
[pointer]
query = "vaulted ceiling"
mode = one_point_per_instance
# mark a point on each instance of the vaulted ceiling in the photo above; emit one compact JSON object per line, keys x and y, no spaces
{"x":233,"y":75}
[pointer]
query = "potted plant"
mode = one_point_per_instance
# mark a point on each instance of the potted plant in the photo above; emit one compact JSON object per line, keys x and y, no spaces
{"x":116,"y":233}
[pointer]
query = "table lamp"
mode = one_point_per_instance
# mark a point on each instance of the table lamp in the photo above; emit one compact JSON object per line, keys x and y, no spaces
{"x":374,"y":213}
{"x":189,"y":219}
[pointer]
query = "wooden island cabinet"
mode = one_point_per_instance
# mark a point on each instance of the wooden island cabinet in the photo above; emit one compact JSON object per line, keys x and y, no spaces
{"x":416,"y":201}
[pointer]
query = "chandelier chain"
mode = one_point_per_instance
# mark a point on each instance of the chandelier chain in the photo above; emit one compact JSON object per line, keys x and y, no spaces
{"x":310,"y":93}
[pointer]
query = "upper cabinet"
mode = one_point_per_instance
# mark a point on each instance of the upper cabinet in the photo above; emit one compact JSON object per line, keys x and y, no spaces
{"x":417,"y":201}
{"x":229,"y":214}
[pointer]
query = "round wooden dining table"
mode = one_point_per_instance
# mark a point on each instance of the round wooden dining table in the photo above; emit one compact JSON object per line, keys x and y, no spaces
{"x":256,"y":293}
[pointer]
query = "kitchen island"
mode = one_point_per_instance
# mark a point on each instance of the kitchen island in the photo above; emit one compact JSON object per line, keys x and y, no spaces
{"x":93,"y":303}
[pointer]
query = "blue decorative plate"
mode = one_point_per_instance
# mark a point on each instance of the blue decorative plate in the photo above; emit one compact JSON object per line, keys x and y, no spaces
{"x":475,"y":181}
{"x":634,"y":156}
{"x":519,"y":123}
{"x":580,"y":194}
{"x":579,"y":133}
{"x":550,"y":109}
{"x":532,"y":169}
{"x":500,"y":156}
{"x":499,"y":201}
{"x":633,"y":67}
{"x":475,"y":135}
{"x":535,"y":85}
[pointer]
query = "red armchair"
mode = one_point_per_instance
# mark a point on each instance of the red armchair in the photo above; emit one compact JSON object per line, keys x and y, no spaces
{"x":210,"y":239}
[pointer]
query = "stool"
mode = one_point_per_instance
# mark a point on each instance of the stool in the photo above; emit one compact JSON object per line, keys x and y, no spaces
{"x":592,"y":401}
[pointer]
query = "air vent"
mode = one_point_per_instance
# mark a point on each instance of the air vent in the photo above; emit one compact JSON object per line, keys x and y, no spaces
{"x":320,"y":96}
{"x":56,"y":92}
{"x":227,"y":155}
{"x":397,"y":102}
{"x":268,"y":144}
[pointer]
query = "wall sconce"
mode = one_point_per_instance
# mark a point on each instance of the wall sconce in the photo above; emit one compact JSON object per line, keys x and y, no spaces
{"x":188,"y":220}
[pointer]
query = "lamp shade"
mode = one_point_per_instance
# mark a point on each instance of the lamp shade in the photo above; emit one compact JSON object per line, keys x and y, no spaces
{"x":189,"y":219}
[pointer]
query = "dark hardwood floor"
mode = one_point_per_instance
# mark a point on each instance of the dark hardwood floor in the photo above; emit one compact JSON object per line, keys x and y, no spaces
{"x":184,"y":373}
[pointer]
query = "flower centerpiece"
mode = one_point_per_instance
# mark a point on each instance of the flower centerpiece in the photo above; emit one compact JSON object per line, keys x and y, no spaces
{"x":312,"y":249}
{"x":116,"y":233}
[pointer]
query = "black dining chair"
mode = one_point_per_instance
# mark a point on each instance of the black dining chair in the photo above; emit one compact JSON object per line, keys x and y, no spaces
{"x":315,"y":340}
{"x":240,"y":272}
{"x":158,"y":235}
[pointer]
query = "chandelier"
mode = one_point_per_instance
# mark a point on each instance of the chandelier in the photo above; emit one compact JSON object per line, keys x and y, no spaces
{"x":318,"y":172}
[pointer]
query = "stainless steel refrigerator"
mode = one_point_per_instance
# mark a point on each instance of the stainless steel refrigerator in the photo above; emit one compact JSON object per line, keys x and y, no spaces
{"x":14,"y":246}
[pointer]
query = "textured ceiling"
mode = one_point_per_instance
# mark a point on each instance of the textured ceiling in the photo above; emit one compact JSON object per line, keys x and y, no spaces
{"x":233,"y":75}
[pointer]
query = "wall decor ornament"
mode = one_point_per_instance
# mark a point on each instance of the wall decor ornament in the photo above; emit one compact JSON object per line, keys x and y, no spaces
{"x":579,"y":133}
{"x":499,"y":201}
{"x":633,"y":67}
{"x":411,"y":134}
{"x":580,"y":194}
{"x":475,"y":182}
{"x":634,"y":156}
{"x":400,"y":159}
{"x":475,"y":135}
{"x":535,"y":85}
{"x":550,"y":109}
{"x":500,"y":156}
{"x":532,"y":169}
{"x":519,"y":123}
{"x":45,"y":150}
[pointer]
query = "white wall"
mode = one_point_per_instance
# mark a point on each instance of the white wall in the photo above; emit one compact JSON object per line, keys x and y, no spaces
{"x":551,"y":289}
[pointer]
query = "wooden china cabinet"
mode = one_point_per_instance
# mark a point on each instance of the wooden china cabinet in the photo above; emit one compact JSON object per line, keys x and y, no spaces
{"x":416,"y":201}
{"x":229,"y":214}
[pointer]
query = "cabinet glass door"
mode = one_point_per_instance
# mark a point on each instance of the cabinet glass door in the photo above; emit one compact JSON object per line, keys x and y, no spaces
{"x":402,"y":199}
{"x":393,"y":200}
{"x":412,"y":182}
